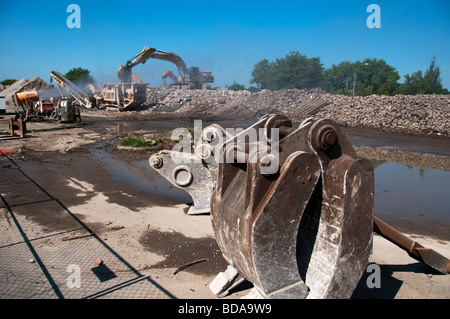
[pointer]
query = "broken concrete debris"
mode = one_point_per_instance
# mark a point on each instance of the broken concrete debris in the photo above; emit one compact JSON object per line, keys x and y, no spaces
{"x":410,"y":113}
{"x":421,"y":114}
{"x":35,"y":84}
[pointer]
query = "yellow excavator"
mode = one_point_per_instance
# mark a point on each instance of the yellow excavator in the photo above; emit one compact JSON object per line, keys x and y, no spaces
{"x":131,"y":91}
{"x":190,"y":76}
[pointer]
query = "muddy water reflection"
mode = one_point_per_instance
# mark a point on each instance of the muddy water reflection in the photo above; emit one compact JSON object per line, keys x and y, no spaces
{"x":411,"y":199}
{"x":140,"y":175}
{"x":416,"y":198}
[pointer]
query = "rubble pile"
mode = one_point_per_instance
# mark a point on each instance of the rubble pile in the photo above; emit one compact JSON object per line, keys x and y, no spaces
{"x":407,"y":113}
{"x":34,"y":84}
{"x":412,"y":113}
{"x":243,"y":104}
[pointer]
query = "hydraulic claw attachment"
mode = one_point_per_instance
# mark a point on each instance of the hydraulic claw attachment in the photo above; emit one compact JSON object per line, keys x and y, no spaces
{"x":304,"y":229}
{"x":291,"y":207}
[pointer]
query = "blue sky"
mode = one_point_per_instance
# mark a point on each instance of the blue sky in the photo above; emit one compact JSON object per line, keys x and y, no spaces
{"x":226,"y":37}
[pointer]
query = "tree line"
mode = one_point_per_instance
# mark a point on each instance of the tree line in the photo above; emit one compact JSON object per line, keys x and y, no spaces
{"x":295,"y":70}
{"x":76,"y":75}
{"x":366,"y":77}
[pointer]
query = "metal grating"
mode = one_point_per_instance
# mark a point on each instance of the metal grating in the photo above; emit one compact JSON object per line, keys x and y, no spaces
{"x":36,"y":259}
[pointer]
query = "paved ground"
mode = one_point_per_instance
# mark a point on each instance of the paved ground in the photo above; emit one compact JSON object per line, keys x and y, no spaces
{"x":57,"y":263}
{"x":68,"y":198}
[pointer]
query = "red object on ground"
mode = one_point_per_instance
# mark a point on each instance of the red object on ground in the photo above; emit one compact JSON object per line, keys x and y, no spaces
{"x":99,"y":262}
{"x":7,"y":151}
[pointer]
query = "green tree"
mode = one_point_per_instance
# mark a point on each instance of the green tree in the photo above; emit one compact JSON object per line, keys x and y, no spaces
{"x":432,"y":82}
{"x":370,"y":76}
{"x":293,"y":71}
{"x":8,"y":81}
{"x":79,"y":76}
{"x":236,"y":87}
{"x":260,"y":74}
{"x":253,"y":89}
{"x":412,"y":84}
{"x":429,"y":83}
{"x":339,"y":78}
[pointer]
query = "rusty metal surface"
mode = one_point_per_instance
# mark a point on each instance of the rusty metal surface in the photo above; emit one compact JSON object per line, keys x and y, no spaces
{"x":306,"y":230}
{"x":425,"y":255}
{"x":303,"y":230}
{"x":19,"y":127}
{"x":192,"y":171}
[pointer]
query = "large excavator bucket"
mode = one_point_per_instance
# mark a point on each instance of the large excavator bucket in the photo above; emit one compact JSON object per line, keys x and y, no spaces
{"x":303,"y":230}
{"x":291,"y":207}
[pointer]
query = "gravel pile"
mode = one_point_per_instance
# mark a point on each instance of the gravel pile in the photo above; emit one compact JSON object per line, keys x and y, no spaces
{"x":407,"y":113}
{"x":226,"y":102}
{"x":412,"y":113}
{"x":429,"y":114}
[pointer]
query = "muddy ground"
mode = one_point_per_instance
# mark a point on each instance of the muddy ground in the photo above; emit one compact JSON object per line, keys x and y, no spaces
{"x":144,"y":218}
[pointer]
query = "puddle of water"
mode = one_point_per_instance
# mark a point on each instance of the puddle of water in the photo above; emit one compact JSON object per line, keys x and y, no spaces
{"x":140,"y":175}
{"x":433,"y":144}
{"x":404,"y":195}
{"x":411,"y":195}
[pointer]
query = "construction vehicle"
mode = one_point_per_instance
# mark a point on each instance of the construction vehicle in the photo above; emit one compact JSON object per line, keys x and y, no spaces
{"x":291,"y":207}
{"x":118,"y":95}
{"x":127,"y":94}
{"x":169,"y":74}
{"x":25,"y":104}
{"x":67,"y":111}
{"x":121,"y":95}
{"x":46,"y":107}
{"x":67,"y":88}
{"x":30,"y":105}
{"x":190,"y":76}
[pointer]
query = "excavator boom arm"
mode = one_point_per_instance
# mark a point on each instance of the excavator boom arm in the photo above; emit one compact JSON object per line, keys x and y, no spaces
{"x":125,"y":74}
{"x":171,"y":57}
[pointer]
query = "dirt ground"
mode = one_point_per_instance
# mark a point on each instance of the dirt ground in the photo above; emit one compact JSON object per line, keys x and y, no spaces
{"x":144,"y":219}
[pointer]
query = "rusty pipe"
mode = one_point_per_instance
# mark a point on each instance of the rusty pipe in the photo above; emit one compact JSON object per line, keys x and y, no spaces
{"x":393,"y":235}
{"x":415,"y":250}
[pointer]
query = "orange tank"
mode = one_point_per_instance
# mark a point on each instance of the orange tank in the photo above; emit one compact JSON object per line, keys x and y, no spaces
{"x":23,"y":97}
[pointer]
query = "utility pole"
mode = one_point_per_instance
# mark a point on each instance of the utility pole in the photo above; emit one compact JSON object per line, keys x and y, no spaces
{"x":354,"y":80}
